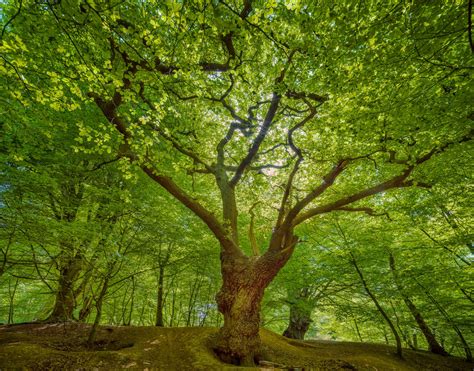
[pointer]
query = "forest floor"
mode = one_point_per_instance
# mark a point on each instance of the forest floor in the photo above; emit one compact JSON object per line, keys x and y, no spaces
{"x":62,"y":347}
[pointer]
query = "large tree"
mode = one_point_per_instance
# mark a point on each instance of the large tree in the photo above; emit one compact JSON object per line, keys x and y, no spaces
{"x":283,"y":110}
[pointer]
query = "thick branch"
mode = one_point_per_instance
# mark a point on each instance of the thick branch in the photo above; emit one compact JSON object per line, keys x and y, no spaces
{"x":299,"y":154}
{"x":206,"y":216}
{"x":396,"y":182}
{"x":252,"y":239}
{"x":328,"y":181}
{"x":257,"y":141}
{"x":109,"y":110}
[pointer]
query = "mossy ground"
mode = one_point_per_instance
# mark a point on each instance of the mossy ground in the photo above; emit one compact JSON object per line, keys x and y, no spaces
{"x":61,"y":346}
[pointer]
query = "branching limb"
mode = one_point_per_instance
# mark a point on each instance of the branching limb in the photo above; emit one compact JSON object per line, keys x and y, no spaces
{"x":252,"y":238}
{"x":299,"y":154}
{"x":257,"y":141}
{"x":18,"y":12}
{"x":367,"y":210}
{"x":206,"y":216}
{"x":398,"y":181}
{"x":109,"y":109}
{"x":328,"y":181}
{"x":185,"y":151}
{"x":301,"y":95}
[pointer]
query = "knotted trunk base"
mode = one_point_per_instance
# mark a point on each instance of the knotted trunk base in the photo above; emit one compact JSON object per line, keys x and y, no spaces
{"x":238,"y":341}
{"x":235,"y":348}
{"x":239,"y":300}
{"x":297,"y":328}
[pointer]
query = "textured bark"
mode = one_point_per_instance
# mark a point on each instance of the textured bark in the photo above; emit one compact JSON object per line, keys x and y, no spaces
{"x":300,"y":319}
{"x":65,"y":301}
{"x":300,"y":313}
{"x":433,"y":345}
{"x":239,"y":300}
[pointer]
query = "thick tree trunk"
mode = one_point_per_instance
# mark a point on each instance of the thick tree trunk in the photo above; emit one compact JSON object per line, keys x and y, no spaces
{"x":299,"y":323}
{"x":65,"y":301}
{"x":300,"y":315}
{"x":239,"y":300}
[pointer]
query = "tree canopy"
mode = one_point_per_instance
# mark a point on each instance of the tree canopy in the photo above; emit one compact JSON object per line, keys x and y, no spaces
{"x":259,"y":117}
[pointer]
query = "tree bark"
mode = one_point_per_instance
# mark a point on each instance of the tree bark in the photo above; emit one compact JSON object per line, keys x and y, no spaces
{"x":65,"y":301}
{"x":239,"y":301}
{"x":159,"y":299}
{"x":300,"y":316}
{"x":379,"y":307}
{"x":433,"y":345}
{"x":464,"y":343}
{"x":299,"y":323}
{"x":98,"y":305}
{"x":11,"y":294}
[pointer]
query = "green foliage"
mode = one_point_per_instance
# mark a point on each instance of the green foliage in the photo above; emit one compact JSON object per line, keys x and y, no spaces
{"x":94,"y":90}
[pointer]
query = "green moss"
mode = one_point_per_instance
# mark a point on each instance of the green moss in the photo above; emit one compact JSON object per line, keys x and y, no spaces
{"x":59,"y":347}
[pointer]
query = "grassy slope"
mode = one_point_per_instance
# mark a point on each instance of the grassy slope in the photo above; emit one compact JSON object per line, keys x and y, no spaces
{"x":41,"y":346}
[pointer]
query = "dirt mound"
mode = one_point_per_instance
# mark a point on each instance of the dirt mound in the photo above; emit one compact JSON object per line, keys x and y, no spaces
{"x":62,"y":346}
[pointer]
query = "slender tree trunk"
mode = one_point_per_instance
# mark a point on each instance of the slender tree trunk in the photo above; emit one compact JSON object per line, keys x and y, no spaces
{"x":83,"y":292}
{"x":86,"y":308}
{"x":192,"y":300}
{"x":203,"y":315}
{"x":125,"y":301}
{"x":379,"y":307}
{"x":358,"y":331}
{"x":159,"y":297}
{"x":173,"y":307}
{"x":142,"y":314}
{"x":415,"y":341}
{"x":132,"y":302}
{"x":11,"y":294}
{"x":465,"y":345}
{"x":98,"y":305}
{"x":65,"y":301}
{"x":433,"y":345}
